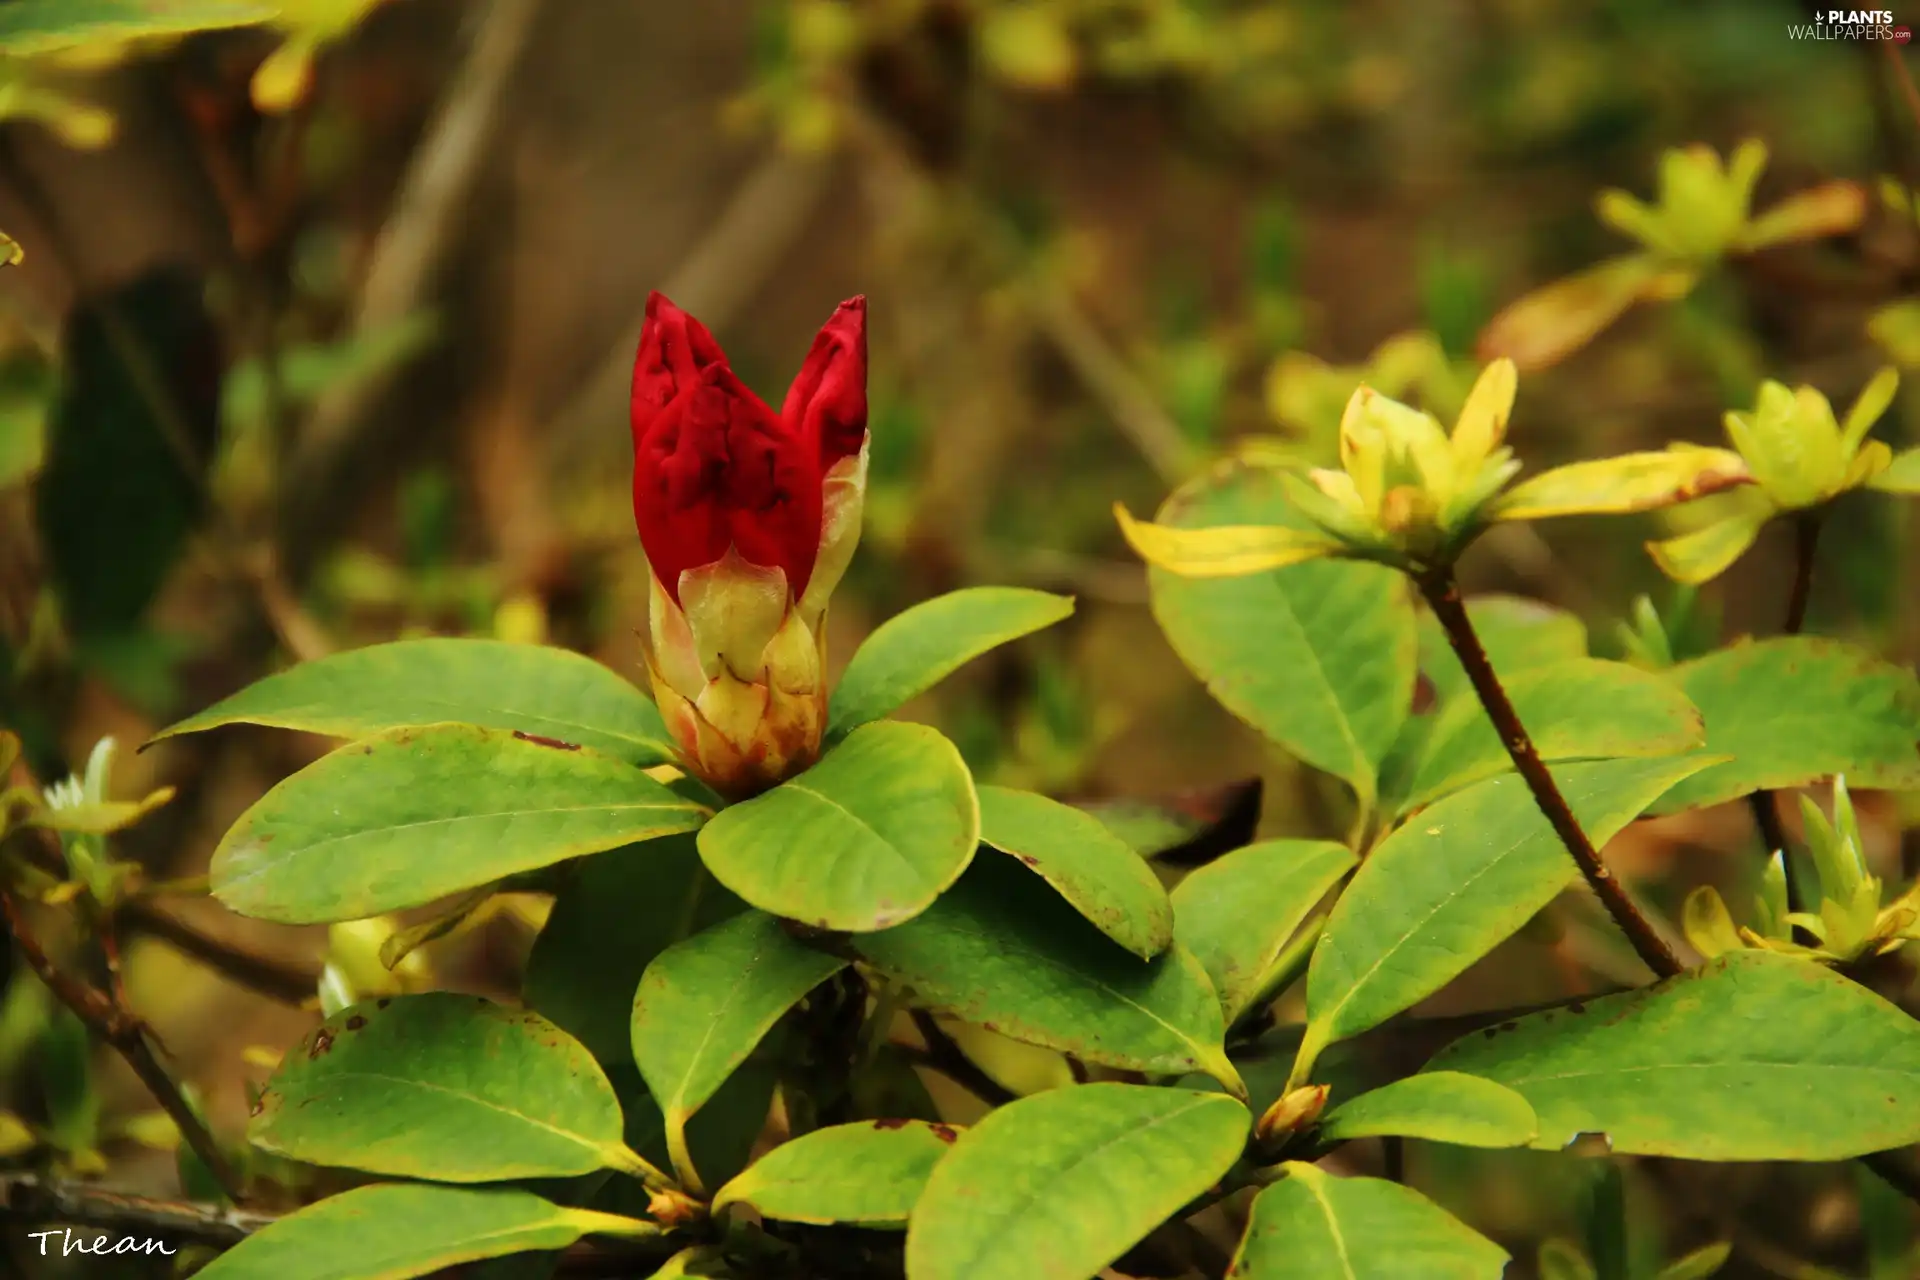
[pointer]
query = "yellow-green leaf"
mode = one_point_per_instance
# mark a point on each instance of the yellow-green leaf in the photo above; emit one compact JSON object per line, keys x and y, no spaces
{"x":1551,"y":323}
{"x":1704,"y":554}
{"x":1901,"y":476}
{"x":1225,"y":551}
{"x":104,"y":818}
{"x":1631,"y":482}
{"x":1830,"y":209}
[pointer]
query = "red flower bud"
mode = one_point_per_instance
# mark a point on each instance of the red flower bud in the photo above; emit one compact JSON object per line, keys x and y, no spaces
{"x":715,"y":468}
{"x":748,"y":519}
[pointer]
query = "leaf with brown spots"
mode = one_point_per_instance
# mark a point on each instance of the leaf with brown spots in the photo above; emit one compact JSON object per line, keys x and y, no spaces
{"x":445,"y":1087}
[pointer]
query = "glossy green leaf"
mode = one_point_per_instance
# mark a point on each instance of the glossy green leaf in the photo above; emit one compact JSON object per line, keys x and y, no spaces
{"x":1439,"y":1106}
{"x":535,"y":689}
{"x":867,"y":1174}
{"x":1237,"y":913}
{"x":917,"y":649}
{"x":705,"y":1003}
{"x":1089,"y":866}
{"x":1754,"y":1056}
{"x":394,"y":1231}
{"x":863,"y":840}
{"x":999,"y":951}
{"x":1451,"y":884}
{"x":1312,"y":1223}
{"x":1058,"y":1185}
{"x":1319,"y":657}
{"x":619,"y":910}
{"x":449,"y":1087}
{"x":1518,"y":634}
{"x":411,"y":815}
{"x":1793,"y":710}
{"x":1575,"y":709}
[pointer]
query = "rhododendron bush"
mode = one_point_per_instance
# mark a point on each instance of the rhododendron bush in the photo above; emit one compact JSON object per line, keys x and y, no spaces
{"x":733,"y":894}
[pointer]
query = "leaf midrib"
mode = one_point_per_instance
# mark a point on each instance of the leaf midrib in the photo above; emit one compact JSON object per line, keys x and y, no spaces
{"x":1200,"y":1051}
{"x":1129,"y":1129}
{"x":283,"y":859}
{"x":598,"y":1149}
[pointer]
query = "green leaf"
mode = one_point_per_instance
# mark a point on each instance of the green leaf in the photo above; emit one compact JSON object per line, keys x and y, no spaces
{"x":1794,"y":710}
{"x":1439,"y":1106}
{"x":867,"y":1174}
{"x":719,"y":1138}
{"x":621,"y":909}
{"x":1754,"y":1056}
{"x":912,"y":651}
{"x":995,"y":953}
{"x":1450,"y":885}
{"x":1314,"y":1224}
{"x":1236,"y":914}
{"x":1319,"y":657}
{"x":449,"y":1087}
{"x":1518,"y":634}
{"x":30,"y":27}
{"x":1095,"y":871}
{"x":412,"y":815}
{"x":699,"y":1260}
{"x":1577,"y":709}
{"x":1698,"y":1265}
{"x":394,"y":1231}
{"x":863,"y":840}
{"x":1058,"y":1185}
{"x":705,"y":1003}
{"x":534,"y":689}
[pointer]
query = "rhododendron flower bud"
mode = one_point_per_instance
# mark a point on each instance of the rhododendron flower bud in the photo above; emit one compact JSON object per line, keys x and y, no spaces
{"x":748,"y":518}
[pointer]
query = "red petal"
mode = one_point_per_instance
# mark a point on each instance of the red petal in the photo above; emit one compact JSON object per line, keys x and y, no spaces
{"x":827,"y":404}
{"x":674,"y":348}
{"x":716,"y":467}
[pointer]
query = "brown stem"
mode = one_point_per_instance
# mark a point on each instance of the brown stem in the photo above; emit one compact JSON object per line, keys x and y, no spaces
{"x":28,"y":1198}
{"x":1443,"y":595}
{"x":951,"y":1061}
{"x":127,"y":1035}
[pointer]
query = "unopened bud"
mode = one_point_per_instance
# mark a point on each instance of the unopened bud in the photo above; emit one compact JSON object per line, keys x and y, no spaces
{"x":1296,"y":1111}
